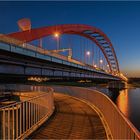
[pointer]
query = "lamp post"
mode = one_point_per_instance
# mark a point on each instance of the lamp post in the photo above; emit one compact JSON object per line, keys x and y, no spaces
{"x":101,"y":62}
{"x":88,"y":55}
{"x":107,"y":68}
{"x":57,"y":36}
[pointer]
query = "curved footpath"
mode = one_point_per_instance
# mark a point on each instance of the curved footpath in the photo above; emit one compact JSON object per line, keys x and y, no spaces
{"x":72,"y":119}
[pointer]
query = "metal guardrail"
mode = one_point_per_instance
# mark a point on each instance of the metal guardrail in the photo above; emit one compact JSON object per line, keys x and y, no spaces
{"x":120,"y":127}
{"x":13,"y":41}
{"x":19,"y":120}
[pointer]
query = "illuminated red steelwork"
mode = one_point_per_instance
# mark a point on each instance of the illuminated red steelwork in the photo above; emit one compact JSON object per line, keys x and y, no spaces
{"x":24,"y":24}
{"x":87,"y":31}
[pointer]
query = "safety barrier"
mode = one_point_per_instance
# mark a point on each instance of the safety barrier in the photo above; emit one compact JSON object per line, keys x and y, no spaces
{"x":19,"y":120}
{"x":120,"y":127}
{"x":12,"y":41}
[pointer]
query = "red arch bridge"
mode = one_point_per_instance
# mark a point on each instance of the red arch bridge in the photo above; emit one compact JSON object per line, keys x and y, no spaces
{"x":63,"y":51}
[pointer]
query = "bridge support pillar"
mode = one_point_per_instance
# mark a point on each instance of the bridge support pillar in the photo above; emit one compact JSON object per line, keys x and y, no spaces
{"x":117,"y":85}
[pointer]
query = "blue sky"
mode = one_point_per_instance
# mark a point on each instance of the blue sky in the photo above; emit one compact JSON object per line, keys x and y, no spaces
{"x":119,"y":20}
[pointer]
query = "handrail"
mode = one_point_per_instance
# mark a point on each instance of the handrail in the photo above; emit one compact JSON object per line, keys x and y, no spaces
{"x":13,"y":41}
{"x":20,"y":119}
{"x":119,"y":125}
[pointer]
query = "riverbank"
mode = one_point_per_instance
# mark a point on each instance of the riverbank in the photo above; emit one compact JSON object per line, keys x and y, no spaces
{"x":134,"y":82}
{"x":134,"y":85}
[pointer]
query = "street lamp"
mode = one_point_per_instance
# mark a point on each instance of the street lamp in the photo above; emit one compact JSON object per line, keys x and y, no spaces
{"x":57,"y":35}
{"x":107,"y":68}
{"x":101,"y":62}
{"x":88,"y":55}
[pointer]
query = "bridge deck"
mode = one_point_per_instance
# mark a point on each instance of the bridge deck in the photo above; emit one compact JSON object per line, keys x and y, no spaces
{"x":72,"y":119}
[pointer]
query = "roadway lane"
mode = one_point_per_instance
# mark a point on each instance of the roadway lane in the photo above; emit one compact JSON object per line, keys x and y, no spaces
{"x":72,"y":119}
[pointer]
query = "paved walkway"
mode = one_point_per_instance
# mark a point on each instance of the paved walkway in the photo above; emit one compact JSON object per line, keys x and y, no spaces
{"x":72,"y":119}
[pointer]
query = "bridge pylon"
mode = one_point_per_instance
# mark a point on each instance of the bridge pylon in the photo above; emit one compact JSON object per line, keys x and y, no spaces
{"x":117,"y":85}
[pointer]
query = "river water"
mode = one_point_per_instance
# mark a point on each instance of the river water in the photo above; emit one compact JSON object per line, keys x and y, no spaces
{"x":128,"y":101}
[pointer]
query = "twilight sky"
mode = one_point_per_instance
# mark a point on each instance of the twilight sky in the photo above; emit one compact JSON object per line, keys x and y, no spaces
{"x":120,"y":21}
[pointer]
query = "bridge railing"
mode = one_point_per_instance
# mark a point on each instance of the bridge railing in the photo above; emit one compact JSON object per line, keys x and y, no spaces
{"x":13,"y":41}
{"x":119,"y":126}
{"x":19,"y":120}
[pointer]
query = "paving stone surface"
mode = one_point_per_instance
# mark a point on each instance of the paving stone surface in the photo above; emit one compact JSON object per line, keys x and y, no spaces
{"x":72,"y":119}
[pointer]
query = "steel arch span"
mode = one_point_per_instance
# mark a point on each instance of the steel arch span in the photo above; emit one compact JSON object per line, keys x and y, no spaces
{"x":92,"y":33}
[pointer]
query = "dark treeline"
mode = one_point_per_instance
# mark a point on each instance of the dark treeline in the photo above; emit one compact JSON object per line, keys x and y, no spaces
{"x":134,"y":80}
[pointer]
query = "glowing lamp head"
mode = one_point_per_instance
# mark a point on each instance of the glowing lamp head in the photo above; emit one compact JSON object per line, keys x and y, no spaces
{"x":95,"y":66}
{"x":88,"y":53}
{"x":101,"y":61}
{"x":107,"y":66}
{"x":56,"y":35}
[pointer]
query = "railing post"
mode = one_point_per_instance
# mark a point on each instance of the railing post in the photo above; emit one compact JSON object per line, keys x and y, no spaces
{"x":3,"y":124}
{"x":17,"y":121}
{"x":23,"y":116}
{"x":26,"y":111}
{"x":29,"y":115}
{"x":20,"y":119}
{"x":13,"y":117}
{"x":8,"y":123}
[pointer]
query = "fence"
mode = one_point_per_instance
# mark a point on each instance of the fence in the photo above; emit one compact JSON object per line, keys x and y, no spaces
{"x":20,"y":119}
